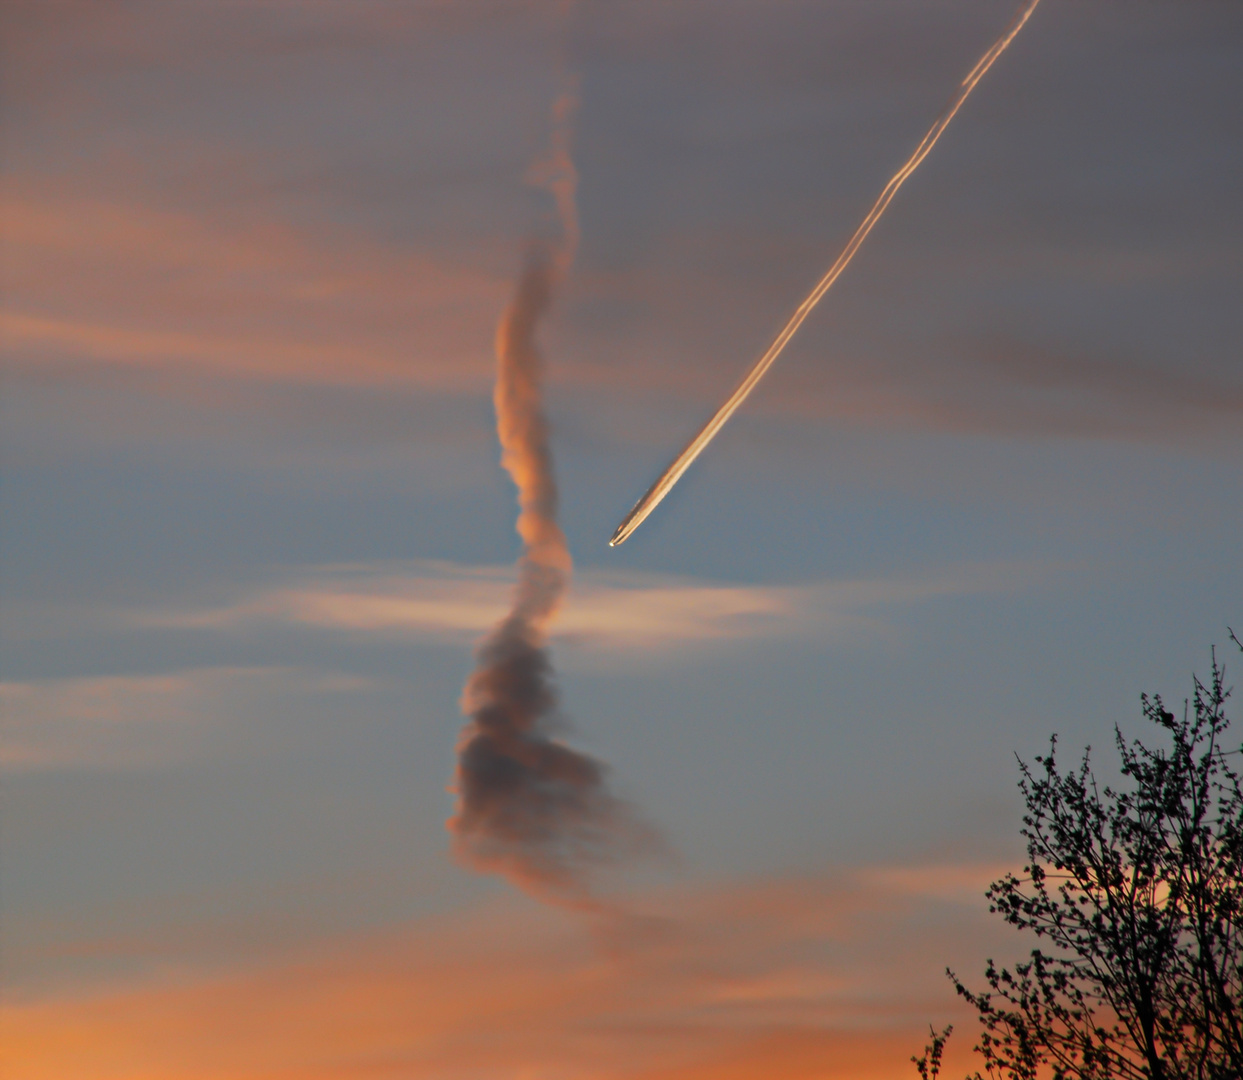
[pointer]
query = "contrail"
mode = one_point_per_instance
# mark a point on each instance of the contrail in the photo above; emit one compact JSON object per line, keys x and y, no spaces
{"x":683,"y":461}
{"x":530,"y":807}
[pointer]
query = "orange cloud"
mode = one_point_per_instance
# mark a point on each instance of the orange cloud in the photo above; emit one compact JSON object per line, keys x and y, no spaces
{"x":643,"y":612}
{"x":820,"y":978}
{"x":96,"y":282}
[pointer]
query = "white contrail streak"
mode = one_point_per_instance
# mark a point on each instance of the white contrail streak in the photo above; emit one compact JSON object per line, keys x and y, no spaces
{"x":683,"y":461}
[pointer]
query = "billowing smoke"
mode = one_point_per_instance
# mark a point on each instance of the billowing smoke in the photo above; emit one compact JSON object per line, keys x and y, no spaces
{"x":529,"y":807}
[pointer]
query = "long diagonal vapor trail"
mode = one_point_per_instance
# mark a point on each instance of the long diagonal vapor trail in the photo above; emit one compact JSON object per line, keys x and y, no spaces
{"x":696,"y":446}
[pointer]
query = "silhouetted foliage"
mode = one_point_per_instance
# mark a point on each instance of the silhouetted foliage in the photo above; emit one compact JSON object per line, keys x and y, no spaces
{"x":929,"y":1066}
{"x":1138,"y":897}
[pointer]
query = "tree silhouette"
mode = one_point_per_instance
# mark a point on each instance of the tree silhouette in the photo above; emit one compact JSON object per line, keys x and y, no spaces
{"x":1137,"y":896}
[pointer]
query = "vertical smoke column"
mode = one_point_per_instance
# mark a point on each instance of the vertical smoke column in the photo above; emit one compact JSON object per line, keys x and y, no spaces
{"x":530,"y":807}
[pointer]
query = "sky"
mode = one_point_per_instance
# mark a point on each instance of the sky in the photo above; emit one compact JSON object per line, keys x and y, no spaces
{"x":254,"y":521}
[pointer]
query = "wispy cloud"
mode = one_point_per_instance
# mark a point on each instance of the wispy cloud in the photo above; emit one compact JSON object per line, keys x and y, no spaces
{"x":139,"y":720}
{"x":637,"y":612}
{"x":136,"y":721}
{"x":822,"y":977}
{"x":102,"y":720}
{"x":100,"y":282}
{"x":964,"y":379}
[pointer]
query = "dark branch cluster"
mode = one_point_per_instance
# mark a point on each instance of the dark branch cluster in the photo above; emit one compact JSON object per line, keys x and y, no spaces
{"x":1136,"y":896}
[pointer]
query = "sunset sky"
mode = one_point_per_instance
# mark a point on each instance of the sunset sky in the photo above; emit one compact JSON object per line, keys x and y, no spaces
{"x":253,"y":521}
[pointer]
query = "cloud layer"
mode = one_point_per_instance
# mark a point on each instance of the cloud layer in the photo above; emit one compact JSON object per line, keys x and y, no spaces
{"x":340,"y":209}
{"x":799,"y":977}
{"x":147,"y":721}
{"x":605,"y":611}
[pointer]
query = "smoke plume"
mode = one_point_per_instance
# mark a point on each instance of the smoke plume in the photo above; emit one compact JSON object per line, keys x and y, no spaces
{"x":529,"y":807}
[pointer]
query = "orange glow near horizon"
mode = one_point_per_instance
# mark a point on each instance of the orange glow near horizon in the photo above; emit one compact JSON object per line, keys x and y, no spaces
{"x":798,"y":979}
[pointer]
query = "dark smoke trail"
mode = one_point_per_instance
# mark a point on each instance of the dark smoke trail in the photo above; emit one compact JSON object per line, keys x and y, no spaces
{"x":529,"y":807}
